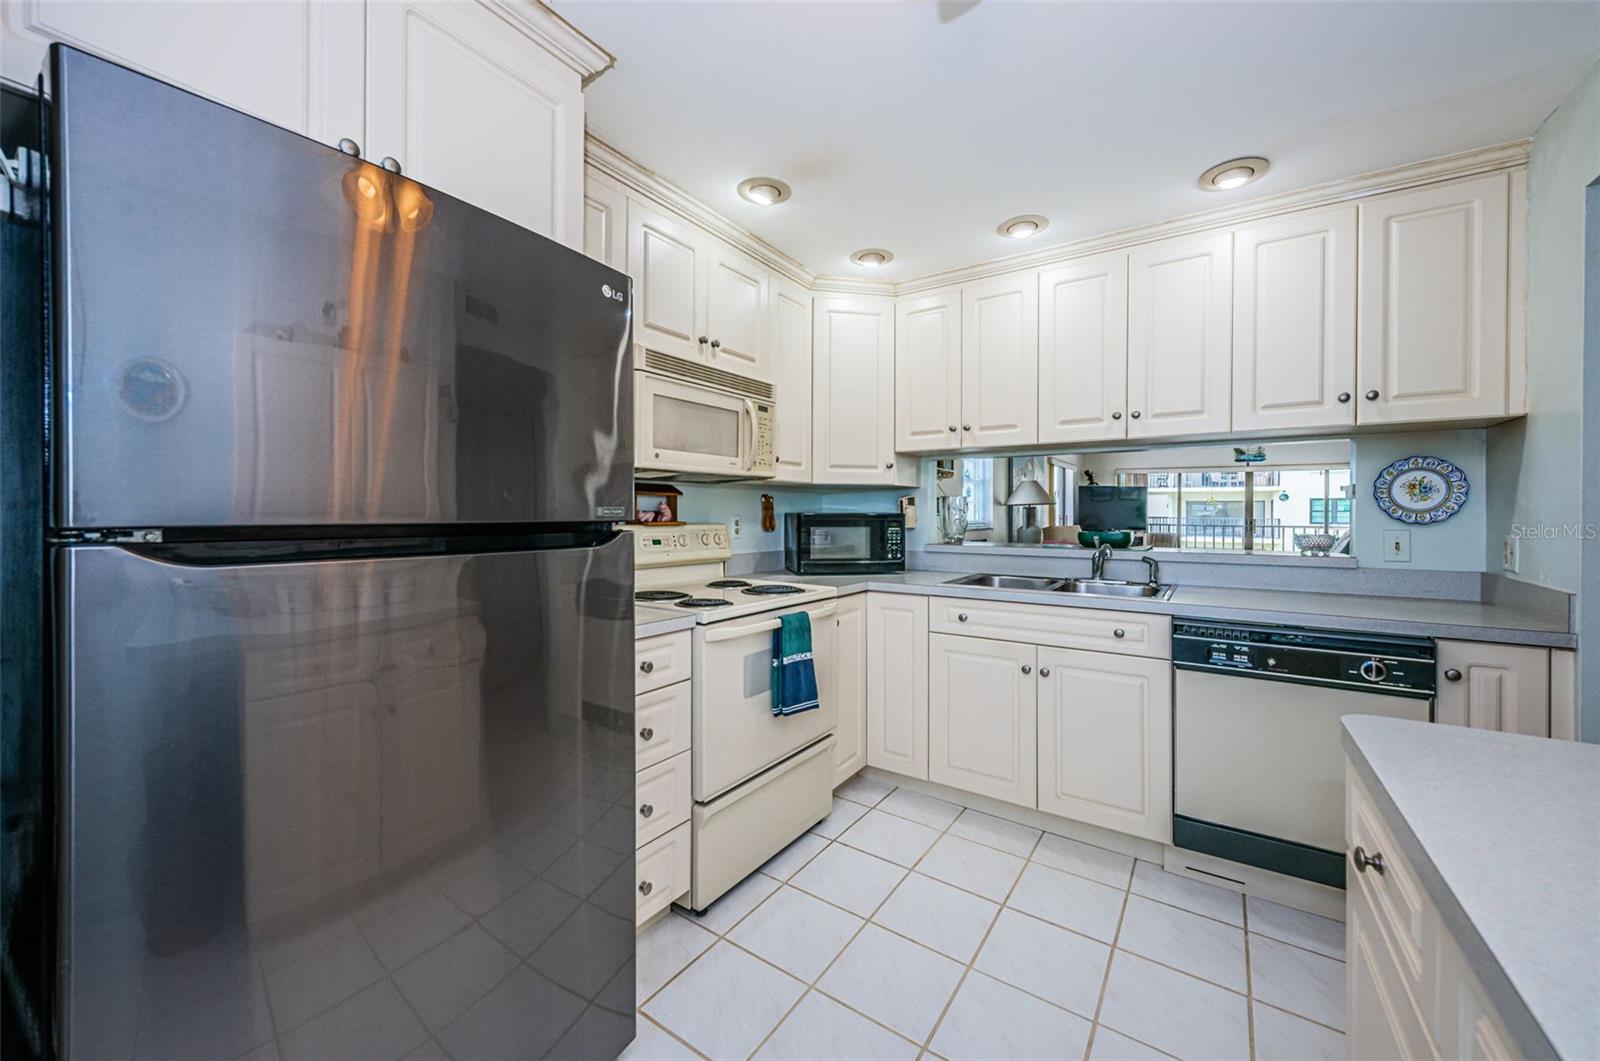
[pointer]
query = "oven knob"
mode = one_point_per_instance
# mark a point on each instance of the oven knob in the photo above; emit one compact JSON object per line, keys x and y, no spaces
{"x":718,"y":537}
{"x":1373,"y":670}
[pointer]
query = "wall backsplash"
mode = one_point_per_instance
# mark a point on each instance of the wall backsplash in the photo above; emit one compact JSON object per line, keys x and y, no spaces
{"x":721,"y":502}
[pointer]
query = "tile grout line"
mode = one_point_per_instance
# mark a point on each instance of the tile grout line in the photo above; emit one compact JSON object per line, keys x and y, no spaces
{"x":1111,"y":958}
{"x":1249,"y":987}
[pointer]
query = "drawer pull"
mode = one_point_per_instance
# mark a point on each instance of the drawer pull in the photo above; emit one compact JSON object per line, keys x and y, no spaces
{"x":961,"y":618}
{"x":1363,"y":860}
{"x":1119,"y":633}
{"x":645,"y":887}
{"x":647,"y":733}
{"x":645,"y":810}
{"x":647,"y":666}
{"x":1452,"y":675}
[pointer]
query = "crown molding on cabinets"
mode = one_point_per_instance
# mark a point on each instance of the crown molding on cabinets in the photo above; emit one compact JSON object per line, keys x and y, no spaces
{"x":851,"y":285}
{"x":559,"y":37}
{"x":662,"y":192}
{"x":1398,"y":178}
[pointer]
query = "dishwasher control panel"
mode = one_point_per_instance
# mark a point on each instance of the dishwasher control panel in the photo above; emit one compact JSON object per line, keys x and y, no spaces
{"x":1314,"y":657}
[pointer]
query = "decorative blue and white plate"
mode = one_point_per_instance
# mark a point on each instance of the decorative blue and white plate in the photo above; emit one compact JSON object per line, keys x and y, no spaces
{"x":1421,"y":490}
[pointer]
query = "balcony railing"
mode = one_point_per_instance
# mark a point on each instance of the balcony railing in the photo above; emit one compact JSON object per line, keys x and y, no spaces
{"x":1270,"y":536}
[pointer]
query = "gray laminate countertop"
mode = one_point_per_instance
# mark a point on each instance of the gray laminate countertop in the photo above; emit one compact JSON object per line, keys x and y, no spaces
{"x":1504,"y":831}
{"x":1462,"y":620}
{"x":648,"y":621}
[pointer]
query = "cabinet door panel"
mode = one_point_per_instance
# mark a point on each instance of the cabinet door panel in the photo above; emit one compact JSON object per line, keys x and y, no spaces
{"x":853,"y":373}
{"x":982,"y":724}
{"x":295,"y":63}
{"x":927,"y":373}
{"x":897,"y":683}
{"x":605,"y":221}
{"x":1500,"y":687}
{"x":1431,"y":330}
{"x":474,"y":108}
{"x":1105,"y":740}
{"x":1180,"y":333}
{"x":1294,"y":314}
{"x":850,"y":688}
{"x":1000,"y":361}
{"x":736,"y":312}
{"x":666,"y":259}
{"x":1083,"y":350}
{"x":790,"y":312}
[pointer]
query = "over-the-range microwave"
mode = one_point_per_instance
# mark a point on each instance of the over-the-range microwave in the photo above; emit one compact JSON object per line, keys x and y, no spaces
{"x":698,"y":423}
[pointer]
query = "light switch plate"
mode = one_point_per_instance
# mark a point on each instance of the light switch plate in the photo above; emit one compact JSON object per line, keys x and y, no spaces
{"x":1512,"y":556}
{"x":1397,"y":547}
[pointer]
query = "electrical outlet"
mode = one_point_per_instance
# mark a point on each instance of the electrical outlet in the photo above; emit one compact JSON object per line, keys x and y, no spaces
{"x":1511,"y":557}
{"x":1397,"y":547}
{"x":738,"y":528}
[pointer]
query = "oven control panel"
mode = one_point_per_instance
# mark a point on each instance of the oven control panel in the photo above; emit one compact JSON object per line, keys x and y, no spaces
{"x":683,"y":543}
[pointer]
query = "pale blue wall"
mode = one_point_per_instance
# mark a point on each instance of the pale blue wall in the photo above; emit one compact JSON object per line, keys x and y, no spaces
{"x":1454,"y":545}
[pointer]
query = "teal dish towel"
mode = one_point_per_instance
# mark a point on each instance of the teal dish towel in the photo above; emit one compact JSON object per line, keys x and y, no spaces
{"x":794,"y":676}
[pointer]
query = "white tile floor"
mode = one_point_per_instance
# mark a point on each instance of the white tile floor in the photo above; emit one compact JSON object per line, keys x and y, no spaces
{"x":903,"y":926}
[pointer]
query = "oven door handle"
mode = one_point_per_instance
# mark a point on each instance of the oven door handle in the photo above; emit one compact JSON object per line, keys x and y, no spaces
{"x":718,"y":632}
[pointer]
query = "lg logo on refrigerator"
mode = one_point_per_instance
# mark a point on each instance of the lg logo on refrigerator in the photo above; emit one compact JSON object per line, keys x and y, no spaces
{"x":616,"y":295}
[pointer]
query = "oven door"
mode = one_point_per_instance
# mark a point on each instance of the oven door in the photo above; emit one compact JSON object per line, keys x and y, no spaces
{"x":680,"y":427}
{"x":735,"y":734}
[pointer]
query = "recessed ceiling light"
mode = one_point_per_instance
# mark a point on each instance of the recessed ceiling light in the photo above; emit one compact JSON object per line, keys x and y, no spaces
{"x":1234,"y":173}
{"x":1023,"y":226}
{"x":872,"y":257}
{"x":764,"y":191}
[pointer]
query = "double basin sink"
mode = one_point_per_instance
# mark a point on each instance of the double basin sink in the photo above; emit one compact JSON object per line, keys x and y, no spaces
{"x":1099,"y":587}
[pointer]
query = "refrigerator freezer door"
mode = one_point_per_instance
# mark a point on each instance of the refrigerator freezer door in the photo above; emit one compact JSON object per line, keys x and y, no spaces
{"x":253,"y":329}
{"x":329,"y":805}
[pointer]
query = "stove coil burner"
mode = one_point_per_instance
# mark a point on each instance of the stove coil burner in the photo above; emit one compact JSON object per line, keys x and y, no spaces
{"x":659,"y":594}
{"x":774,"y":590}
{"x":704,"y":602}
{"x":727,"y":583}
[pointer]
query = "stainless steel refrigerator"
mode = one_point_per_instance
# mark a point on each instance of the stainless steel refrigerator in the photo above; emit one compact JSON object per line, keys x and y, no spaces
{"x":342,"y":627}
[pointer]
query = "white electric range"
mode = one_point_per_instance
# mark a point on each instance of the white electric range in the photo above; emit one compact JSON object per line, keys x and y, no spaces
{"x":759,"y":781}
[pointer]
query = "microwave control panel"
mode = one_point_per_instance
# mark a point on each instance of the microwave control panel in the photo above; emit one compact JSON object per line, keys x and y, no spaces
{"x":894,"y":541}
{"x":762,"y":456}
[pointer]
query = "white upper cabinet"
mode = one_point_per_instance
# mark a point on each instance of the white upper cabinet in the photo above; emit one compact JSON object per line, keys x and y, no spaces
{"x":789,"y":310}
{"x":666,"y":259}
{"x":296,"y":63}
{"x":982,"y":727}
{"x":736,"y":311}
{"x":605,"y":221}
{"x":1083,"y":350}
{"x":927,"y":372}
{"x":1294,"y":321}
{"x":853,"y":375}
{"x":1431,"y":330}
{"x":470,"y":104}
{"x":1000,"y":361}
{"x":1180,"y":305}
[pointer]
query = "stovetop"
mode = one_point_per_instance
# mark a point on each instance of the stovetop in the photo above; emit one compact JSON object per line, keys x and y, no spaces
{"x":726,"y":598}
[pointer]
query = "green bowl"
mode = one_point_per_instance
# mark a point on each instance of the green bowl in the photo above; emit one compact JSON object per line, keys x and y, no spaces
{"x":1115,"y":539}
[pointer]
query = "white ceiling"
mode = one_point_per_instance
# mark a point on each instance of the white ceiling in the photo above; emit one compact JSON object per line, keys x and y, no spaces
{"x":919,"y":126}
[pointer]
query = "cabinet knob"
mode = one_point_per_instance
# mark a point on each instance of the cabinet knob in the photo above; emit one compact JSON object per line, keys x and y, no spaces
{"x":952,"y":427}
{"x":1372,"y":396}
{"x":1044,"y":672}
{"x":1452,"y":675}
{"x":645,"y":887}
{"x":961,"y":618}
{"x":966,"y":427}
{"x":645,"y":810}
{"x":1344,"y":396}
{"x":647,"y":666}
{"x":350,"y":147}
{"x":888,"y":464}
{"x":716,"y":344}
{"x":646,"y":733}
{"x":1119,"y":633}
{"x":703,"y":340}
{"x":1027,"y":669}
{"x":1363,"y":860}
{"x":390,"y":163}
{"x":1134,"y":414}
{"x":1116,"y":416}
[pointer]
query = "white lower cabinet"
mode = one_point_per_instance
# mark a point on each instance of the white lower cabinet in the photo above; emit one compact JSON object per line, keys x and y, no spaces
{"x":897,"y":683}
{"x":663,"y":795}
{"x":850,"y":687}
{"x":1105,"y":740}
{"x":1500,"y":687}
{"x":662,"y":871}
{"x":982,"y":730}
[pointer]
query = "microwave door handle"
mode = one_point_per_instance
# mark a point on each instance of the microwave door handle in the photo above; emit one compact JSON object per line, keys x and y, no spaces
{"x":750,"y":434}
{"x":718,"y":632}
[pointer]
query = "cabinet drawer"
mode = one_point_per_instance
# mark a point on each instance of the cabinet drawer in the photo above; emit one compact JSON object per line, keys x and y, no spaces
{"x":1400,"y":907}
{"x":1382,"y":1017}
{"x":662,"y":871}
{"x":1126,"y":633}
{"x":660,"y":661}
{"x":661,"y":720}
{"x":661,"y":797}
